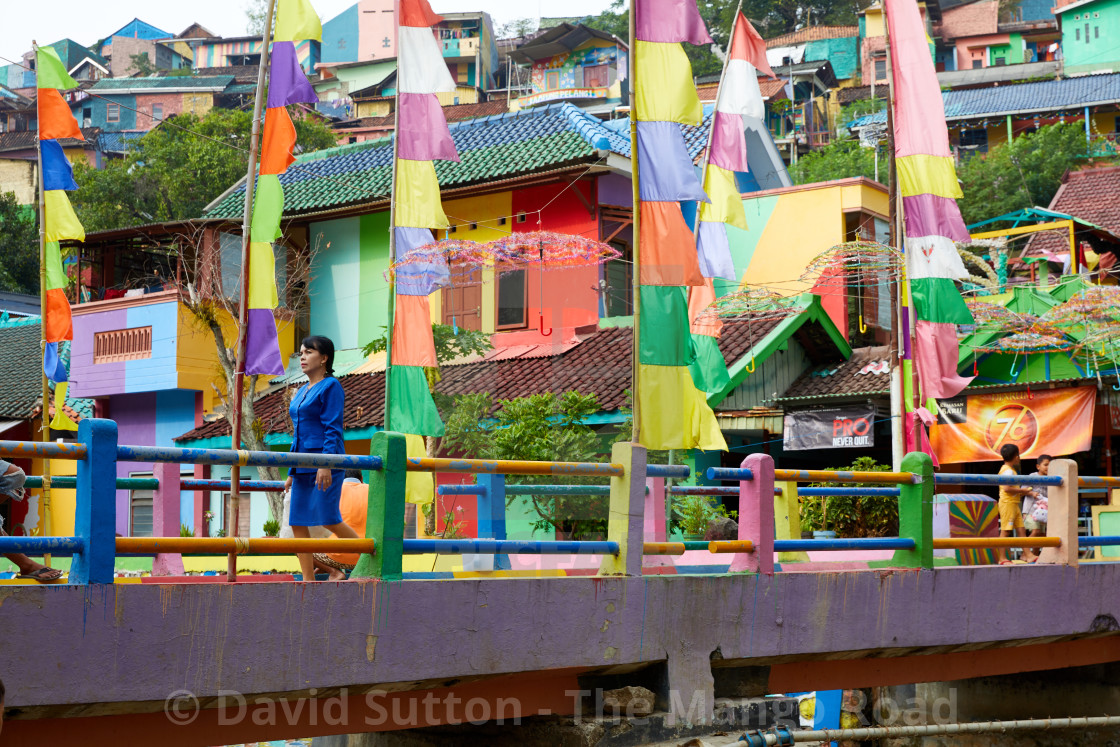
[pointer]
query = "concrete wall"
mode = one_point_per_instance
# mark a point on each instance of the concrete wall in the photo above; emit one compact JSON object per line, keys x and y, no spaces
{"x":18,"y":175}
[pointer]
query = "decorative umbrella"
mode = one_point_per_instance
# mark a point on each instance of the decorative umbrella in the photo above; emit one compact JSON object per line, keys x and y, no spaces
{"x":860,"y":263}
{"x":991,"y":317}
{"x":1030,"y":341}
{"x":1096,"y":305}
{"x":755,"y":303}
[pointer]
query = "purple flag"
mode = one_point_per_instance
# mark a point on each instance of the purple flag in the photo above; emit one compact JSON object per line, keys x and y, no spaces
{"x":262,"y":355}
{"x":286,"y":82}
{"x":671,"y":21}
{"x":665,"y":172}
{"x":423,"y":129}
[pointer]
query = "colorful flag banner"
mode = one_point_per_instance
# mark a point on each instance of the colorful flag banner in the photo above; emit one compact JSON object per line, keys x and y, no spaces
{"x":296,"y":21}
{"x":667,"y":368}
{"x":60,"y":223}
{"x":423,"y":137}
{"x":928,"y":184}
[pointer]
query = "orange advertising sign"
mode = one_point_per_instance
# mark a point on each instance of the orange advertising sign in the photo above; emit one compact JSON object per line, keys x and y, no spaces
{"x":1053,"y":421}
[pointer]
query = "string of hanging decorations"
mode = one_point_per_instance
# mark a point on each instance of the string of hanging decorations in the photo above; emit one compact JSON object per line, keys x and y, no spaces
{"x":531,"y":248}
{"x":992,"y":317}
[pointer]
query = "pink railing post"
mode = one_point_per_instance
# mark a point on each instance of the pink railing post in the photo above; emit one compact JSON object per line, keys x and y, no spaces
{"x":165,"y":517}
{"x":1062,"y":514}
{"x":756,"y":516}
{"x":655,"y":526}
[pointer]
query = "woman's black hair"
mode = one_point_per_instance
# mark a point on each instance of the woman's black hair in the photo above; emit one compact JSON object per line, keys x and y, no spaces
{"x":324,"y":346}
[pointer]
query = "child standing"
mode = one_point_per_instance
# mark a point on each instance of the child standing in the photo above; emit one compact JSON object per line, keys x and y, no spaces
{"x":1010,"y":496}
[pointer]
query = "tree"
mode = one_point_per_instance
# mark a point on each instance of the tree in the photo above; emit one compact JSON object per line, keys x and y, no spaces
{"x":19,"y":246}
{"x":840,"y":159}
{"x":142,"y":64}
{"x":212,"y":306}
{"x":176,"y":169}
{"x":517,"y":28}
{"x":1025,"y":173}
{"x":540,"y":427}
{"x":255,"y":13}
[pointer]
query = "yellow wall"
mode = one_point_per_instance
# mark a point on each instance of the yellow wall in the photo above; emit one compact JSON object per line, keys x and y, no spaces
{"x":63,"y":503}
{"x":873,"y":20}
{"x":374,"y":108}
{"x":465,"y":94}
{"x":484,"y":210}
{"x":198,"y":103}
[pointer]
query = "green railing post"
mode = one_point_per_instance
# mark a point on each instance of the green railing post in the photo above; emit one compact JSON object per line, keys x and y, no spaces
{"x":915,"y":512}
{"x":385,"y":516}
{"x":627,"y":515}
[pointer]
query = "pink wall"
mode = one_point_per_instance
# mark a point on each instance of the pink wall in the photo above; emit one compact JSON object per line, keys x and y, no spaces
{"x":969,"y":46}
{"x":172,"y":104}
{"x":376,"y":21}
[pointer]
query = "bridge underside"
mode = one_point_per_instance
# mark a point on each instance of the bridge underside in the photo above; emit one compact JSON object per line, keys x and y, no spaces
{"x":100,"y":661}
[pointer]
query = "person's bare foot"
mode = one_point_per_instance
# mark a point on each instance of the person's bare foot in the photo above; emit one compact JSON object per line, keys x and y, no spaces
{"x":336,"y":575}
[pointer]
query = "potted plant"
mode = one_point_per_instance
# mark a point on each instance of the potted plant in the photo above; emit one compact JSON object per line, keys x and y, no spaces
{"x":694,"y":513}
{"x":272,"y":528}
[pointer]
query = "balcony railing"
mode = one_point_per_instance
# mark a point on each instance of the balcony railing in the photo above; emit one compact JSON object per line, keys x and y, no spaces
{"x":122,"y":345}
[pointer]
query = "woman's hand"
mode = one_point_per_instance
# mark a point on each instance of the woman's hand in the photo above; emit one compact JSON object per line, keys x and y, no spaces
{"x":288,"y":483}
{"x":323,"y":479}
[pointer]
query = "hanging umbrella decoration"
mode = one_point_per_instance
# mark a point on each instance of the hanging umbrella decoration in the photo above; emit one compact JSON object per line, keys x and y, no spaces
{"x":752,"y":304}
{"x":1098,"y":305}
{"x":860,"y":263}
{"x":992,"y":317}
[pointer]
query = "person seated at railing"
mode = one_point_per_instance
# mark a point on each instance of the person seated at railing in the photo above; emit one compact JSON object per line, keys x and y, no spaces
{"x":353,"y":506}
{"x":316,"y":413}
{"x":12,"y":479}
{"x":1036,"y":504}
{"x":1010,"y":513}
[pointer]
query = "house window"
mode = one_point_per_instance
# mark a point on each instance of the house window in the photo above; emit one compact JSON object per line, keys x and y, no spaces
{"x":1077,"y":34}
{"x":461,"y":303}
{"x":512,"y":291}
{"x":974,"y":141}
{"x":157,"y":112}
{"x":87,"y":116}
{"x":1086,"y":33}
{"x":977,"y":63}
{"x":113,"y":113}
{"x":552,"y":81}
{"x":122,"y":345}
{"x":880,"y":70}
{"x":1000,"y":61}
{"x":618,"y":283}
{"x":595,"y":76}
{"x":140,"y":513}
{"x":1096,"y":32}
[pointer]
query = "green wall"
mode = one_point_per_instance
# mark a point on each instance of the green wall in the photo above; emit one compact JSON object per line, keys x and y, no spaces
{"x":1101,"y":50}
{"x":373,"y":296}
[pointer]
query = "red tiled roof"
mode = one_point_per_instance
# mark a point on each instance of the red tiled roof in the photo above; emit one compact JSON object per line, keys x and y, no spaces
{"x":813,"y":33}
{"x":452,"y":113}
{"x":599,"y":364}
{"x":771,"y":88}
{"x":866,"y":372}
{"x":972,"y":19}
{"x":1090,"y":195}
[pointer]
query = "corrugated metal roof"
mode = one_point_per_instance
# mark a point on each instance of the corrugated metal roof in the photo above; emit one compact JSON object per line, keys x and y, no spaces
{"x":203,"y":82}
{"x":1026,"y":98}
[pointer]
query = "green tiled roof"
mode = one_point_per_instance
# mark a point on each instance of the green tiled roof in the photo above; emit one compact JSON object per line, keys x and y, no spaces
{"x":108,"y":85}
{"x":21,"y":370}
{"x":490,"y":148}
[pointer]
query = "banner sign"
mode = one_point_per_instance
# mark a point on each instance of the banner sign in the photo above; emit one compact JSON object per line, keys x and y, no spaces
{"x":1052,"y":421}
{"x":562,"y":94}
{"x":849,"y":427}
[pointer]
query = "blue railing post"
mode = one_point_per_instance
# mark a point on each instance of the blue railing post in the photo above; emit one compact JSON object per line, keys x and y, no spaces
{"x":165,"y":517}
{"x":385,"y":515}
{"x":756,"y":516}
{"x":492,"y":513}
{"x":95,"y":510}
{"x":1062,"y":514}
{"x":915,"y":512}
{"x":625,"y":521}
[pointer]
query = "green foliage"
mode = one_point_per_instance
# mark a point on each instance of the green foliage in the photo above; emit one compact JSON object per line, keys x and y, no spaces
{"x":841,"y":159}
{"x":185,"y":531}
{"x":861,"y":108}
{"x":865,"y":516}
{"x":176,"y":169}
{"x":541,"y":427}
{"x":19,"y":246}
{"x":1023,"y":174}
{"x":517,"y":28}
{"x":693,"y":513}
{"x":272,"y":528}
{"x":449,"y":345}
{"x":256,"y":11}
{"x":142,"y":64}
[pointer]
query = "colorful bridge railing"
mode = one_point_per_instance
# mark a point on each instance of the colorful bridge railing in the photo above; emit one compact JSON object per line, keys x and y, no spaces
{"x":767,"y":502}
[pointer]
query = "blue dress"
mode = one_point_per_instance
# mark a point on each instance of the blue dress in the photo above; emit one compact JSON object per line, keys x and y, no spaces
{"x":316,"y":412}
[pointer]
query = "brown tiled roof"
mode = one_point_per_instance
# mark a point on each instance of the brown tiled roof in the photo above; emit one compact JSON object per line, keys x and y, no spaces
{"x":971,"y":19}
{"x":770,"y":87}
{"x":866,"y":372}
{"x":858,"y":93}
{"x":452,"y":113}
{"x":240,"y":73}
{"x":599,"y":365}
{"x":813,"y":33}
{"x":26,"y":139}
{"x":1090,"y":195}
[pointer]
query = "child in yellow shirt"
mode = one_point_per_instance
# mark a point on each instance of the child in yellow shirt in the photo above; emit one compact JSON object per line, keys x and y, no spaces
{"x":1010,"y":500}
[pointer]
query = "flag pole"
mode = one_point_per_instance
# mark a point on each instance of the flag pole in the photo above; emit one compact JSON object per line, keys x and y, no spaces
{"x":899,"y":291}
{"x":719,"y":88}
{"x":635,"y":280}
{"x":45,"y":414}
{"x":243,"y":310}
{"x":386,"y":420}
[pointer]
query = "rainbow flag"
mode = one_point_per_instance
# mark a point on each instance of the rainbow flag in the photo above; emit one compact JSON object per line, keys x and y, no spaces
{"x":928,"y":184}
{"x":59,"y":221}
{"x":674,"y":411}
{"x":739,"y":99}
{"x":296,"y":20}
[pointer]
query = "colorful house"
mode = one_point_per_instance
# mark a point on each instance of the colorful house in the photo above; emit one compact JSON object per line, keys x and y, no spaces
{"x":575,"y":63}
{"x":239,"y":51}
{"x":1090,"y":35}
{"x":139,"y":104}
{"x":972,"y":36}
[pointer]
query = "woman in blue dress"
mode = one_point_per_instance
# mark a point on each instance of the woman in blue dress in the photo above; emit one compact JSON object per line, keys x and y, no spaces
{"x":316,"y":413}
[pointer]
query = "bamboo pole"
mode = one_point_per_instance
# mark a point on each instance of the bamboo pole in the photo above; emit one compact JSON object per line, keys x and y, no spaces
{"x":393,"y":242}
{"x":243,"y":310}
{"x":45,"y":413}
{"x":635,"y":281}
